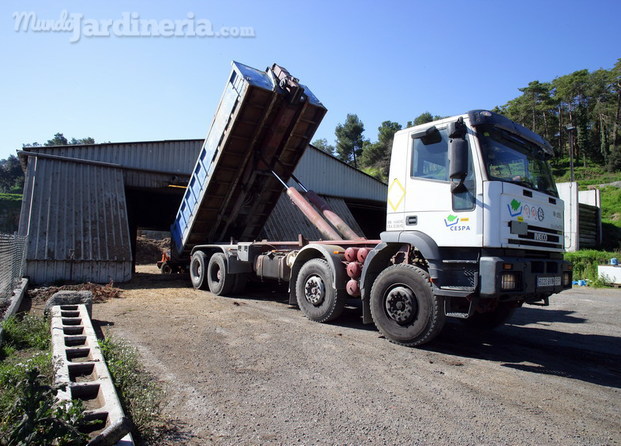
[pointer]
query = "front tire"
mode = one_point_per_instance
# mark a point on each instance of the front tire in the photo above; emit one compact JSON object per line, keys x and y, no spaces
{"x":403,"y":306}
{"x":316,"y":296}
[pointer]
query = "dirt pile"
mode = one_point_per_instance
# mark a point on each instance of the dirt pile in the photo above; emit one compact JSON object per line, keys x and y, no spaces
{"x":101,"y":293}
{"x":149,"y":251}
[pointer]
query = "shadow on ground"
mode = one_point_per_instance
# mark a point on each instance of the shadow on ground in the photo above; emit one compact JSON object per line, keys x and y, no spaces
{"x":529,"y":341}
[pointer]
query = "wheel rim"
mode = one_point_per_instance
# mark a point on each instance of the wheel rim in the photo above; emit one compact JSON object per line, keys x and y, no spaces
{"x":401,"y":305}
{"x":196,"y":269}
{"x":314,"y":290}
{"x":216,"y":274}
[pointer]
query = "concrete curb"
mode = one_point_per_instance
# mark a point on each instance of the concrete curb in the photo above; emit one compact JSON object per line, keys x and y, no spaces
{"x":18,"y":297}
{"x":80,"y":365}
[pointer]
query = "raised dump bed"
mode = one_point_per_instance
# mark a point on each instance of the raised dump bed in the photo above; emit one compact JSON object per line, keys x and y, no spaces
{"x":264,"y":122}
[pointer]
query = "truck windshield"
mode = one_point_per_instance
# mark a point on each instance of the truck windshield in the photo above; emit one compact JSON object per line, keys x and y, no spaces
{"x":512,"y":159}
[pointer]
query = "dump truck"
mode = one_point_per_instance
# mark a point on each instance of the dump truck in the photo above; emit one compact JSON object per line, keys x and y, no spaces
{"x":474,"y":225}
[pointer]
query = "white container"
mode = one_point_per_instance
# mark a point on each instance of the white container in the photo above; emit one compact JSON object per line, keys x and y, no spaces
{"x":610,"y":273}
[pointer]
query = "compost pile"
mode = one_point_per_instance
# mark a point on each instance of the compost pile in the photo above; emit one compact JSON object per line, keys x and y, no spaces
{"x":149,"y":251}
{"x":101,"y":293}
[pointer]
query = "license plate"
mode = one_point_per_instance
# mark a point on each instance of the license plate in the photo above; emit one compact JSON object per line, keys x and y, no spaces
{"x":549,"y":281}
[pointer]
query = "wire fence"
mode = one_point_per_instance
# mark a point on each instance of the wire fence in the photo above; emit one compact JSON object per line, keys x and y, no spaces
{"x":12,"y":250}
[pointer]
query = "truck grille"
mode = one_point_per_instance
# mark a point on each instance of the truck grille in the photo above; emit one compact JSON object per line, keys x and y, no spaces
{"x":540,"y":237}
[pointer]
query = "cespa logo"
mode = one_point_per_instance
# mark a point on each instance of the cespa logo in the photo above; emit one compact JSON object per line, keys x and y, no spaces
{"x":454,"y":223}
{"x":516,"y":209}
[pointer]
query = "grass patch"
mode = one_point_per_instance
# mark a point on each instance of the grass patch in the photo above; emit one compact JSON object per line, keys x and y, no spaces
{"x":585,"y":264}
{"x":140,"y":396}
{"x":611,"y":204}
{"x":28,"y":332}
{"x":587,"y":174}
{"x":29,"y":411}
{"x":11,"y":197}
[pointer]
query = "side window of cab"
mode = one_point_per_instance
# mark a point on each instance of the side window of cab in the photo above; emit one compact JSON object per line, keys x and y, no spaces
{"x":430,"y":155}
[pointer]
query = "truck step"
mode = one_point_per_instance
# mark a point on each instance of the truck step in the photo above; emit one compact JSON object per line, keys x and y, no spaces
{"x":458,"y":315}
{"x":449,"y":311}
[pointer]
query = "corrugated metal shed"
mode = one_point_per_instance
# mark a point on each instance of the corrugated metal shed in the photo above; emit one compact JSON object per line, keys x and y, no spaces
{"x":76,"y":220}
{"x":76,"y":212}
{"x":286,"y":221}
{"x":327,"y":175}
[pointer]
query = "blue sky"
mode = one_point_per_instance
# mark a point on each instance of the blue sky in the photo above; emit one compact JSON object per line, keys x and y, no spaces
{"x":389,"y":60}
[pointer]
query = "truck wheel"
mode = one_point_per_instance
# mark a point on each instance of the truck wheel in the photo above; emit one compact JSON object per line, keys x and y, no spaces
{"x":166,"y":268}
{"x":220,"y":281}
{"x":492,"y":319}
{"x":198,"y":270}
{"x":316,"y":296}
{"x":403,"y":306}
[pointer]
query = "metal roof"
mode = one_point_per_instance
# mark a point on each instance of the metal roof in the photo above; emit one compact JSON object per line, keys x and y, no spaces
{"x":147,"y":164}
{"x":318,"y":170}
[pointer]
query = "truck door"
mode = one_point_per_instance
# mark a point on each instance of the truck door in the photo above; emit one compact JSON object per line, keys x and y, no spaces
{"x":432,"y":206}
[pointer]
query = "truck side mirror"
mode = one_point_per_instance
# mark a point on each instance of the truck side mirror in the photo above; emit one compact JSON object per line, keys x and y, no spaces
{"x":458,"y":159}
{"x":428,"y":136}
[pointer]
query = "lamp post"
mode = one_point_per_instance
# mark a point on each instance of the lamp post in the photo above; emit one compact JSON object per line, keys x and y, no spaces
{"x":571,"y":130}
{"x":573,"y":236}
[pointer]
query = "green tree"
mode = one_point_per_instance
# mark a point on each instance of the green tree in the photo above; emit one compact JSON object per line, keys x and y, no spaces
{"x":571,"y":92}
{"x":587,"y":103}
{"x":535,"y":109}
{"x":11,"y":175}
{"x":58,"y":140}
{"x":349,"y":140}
{"x":423,"y":118}
{"x":87,"y":140}
{"x":322,"y":144}
{"x":614,"y":162}
{"x":375,"y":157}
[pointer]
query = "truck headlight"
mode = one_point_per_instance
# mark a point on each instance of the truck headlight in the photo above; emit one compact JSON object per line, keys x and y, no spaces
{"x":566,"y":278}
{"x":509,"y":281}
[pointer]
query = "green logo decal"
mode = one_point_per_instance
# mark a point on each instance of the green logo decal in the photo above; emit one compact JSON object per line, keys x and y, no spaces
{"x":455,"y":223}
{"x":515,"y":205}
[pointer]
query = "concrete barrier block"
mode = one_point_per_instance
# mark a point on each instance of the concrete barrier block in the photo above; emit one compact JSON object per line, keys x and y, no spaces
{"x":80,"y":366}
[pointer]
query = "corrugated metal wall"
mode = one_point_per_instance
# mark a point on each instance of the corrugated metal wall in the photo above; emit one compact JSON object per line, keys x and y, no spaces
{"x":328,"y":176}
{"x":76,"y":220}
{"x":286,"y":221}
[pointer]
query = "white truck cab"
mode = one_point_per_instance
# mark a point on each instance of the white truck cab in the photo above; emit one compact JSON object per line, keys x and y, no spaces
{"x":475,"y":197}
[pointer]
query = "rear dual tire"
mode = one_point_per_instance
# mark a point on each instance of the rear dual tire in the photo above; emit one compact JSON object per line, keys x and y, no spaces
{"x":213,"y":274}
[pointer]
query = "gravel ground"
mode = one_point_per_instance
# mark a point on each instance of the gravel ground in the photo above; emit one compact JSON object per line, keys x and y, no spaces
{"x":253,"y":370}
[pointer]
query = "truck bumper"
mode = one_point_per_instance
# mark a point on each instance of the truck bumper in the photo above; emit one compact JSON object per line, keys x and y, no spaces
{"x":527,"y":279}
